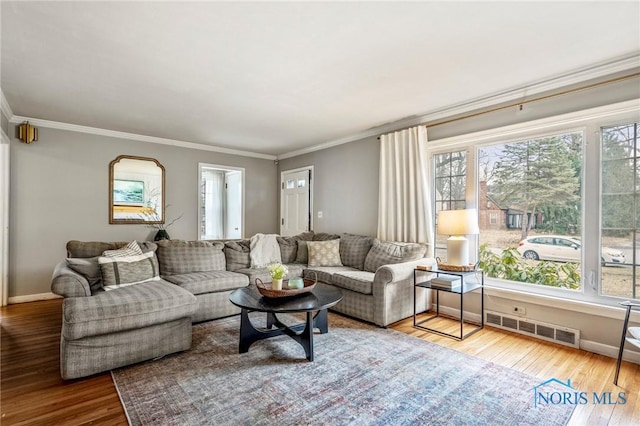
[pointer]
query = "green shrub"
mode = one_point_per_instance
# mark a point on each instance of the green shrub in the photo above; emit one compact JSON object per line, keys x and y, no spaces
{"x":510,"y":265}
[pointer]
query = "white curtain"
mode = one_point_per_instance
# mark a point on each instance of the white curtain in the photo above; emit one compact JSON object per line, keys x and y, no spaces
{"x":404,"y":204}
{"x":213,"y":181}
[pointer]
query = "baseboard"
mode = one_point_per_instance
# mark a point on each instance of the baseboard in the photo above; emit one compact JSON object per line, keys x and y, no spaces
{"x":610,"y":351}
{"x":32,"y":298}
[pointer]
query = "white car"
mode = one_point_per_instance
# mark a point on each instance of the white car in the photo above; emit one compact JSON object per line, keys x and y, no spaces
{"x":562,"y":248}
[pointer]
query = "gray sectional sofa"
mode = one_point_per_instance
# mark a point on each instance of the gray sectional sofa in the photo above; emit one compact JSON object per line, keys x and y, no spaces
{"x":191,"y":282}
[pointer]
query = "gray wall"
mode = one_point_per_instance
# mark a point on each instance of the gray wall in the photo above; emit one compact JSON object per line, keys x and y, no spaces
{"x":345,"y":186}
{"x":59,"y":192}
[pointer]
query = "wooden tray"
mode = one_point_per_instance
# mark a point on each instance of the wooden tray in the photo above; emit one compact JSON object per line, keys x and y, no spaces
{"x":267,"y":291}
{"x":457,"y":268}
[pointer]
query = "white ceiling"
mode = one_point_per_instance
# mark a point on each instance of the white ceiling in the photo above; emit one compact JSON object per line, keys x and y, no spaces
{"x":273,"y":77}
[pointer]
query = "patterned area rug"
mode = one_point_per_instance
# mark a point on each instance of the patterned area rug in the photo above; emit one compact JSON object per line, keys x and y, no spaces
{"x":362,"y":375}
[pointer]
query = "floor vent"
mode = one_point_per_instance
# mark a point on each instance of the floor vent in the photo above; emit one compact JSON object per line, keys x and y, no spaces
{"x":552,"y":333}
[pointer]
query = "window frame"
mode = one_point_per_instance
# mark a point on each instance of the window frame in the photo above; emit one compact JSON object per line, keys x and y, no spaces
{"x":589,"y":122}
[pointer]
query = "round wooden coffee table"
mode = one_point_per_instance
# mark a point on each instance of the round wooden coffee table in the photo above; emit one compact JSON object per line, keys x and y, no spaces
{"x":319,"y":300}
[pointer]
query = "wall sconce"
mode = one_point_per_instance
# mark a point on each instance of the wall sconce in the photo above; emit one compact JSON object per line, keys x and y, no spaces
{"x":27,"y":133}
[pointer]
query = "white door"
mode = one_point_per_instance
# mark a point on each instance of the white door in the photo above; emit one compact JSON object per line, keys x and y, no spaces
{"x":295,"y":204}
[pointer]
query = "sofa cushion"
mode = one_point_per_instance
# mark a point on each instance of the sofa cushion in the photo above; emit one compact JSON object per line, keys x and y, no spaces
{"x":354,"y":249}
{"x":295,"y":270}
{"x":324,"y":253}
{"x":325,"y":273}
{"x":127,"y":308}
{"x":181,"y":257}
{"x":96,"y":248}
{"x":122,"y":271}
{"x":209,"y":282}
{"x":358,"y":281}
{"x":386,"y":253}
{"x":236,"y":254}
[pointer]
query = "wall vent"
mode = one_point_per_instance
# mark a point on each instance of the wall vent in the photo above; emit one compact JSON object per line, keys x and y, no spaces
{"x":549,"y":332}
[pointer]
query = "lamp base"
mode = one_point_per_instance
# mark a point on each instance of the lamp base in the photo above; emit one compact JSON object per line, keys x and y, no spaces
{"x":458,"y":251}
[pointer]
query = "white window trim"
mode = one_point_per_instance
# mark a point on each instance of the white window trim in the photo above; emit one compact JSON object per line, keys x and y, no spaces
{"x":581,"y":121}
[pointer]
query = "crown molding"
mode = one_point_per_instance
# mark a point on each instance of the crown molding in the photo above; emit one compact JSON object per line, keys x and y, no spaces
{"x":136,"y":137}
{"x":6,"y":108}
{"x":577,"y":76}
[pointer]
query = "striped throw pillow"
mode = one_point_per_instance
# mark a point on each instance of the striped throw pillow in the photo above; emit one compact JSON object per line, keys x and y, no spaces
{"x":128,"y":270}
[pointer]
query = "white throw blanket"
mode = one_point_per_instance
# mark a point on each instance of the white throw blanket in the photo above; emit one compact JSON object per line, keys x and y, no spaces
{"x":264,"y":250}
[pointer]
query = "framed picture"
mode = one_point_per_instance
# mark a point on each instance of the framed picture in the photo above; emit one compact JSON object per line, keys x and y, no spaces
{"x":128,"y":192}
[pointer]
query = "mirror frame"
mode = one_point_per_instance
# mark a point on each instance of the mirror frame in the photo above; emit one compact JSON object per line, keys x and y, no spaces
{"x":112,"y":219}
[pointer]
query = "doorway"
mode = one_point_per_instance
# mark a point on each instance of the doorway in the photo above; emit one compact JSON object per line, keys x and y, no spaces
{"x":220,"y":202}
{"x":296,"y":201}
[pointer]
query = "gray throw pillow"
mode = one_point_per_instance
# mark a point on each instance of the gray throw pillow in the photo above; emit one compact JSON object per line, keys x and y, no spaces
{"x":323,"y":236}
{"x":387,"y":253}
{"x":237,"y":254}
{"x":288,"y":249}
{"x":354,"y":250}
{"x":89,"y":268}
{"x":302,"y":255}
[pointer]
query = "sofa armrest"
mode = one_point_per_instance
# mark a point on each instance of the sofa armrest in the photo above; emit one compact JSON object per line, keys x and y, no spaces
{"x":398,"y":272}
{"x":393,"y":292}
{"x":66,"y":282}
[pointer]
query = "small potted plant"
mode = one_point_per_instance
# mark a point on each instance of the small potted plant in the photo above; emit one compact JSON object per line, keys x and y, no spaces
{"x":277,"y":271}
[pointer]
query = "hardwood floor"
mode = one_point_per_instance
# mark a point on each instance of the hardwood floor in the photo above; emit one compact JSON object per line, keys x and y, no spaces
{"x":32,"y":392}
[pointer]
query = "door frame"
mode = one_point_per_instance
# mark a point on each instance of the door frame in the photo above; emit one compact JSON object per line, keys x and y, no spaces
{"x":242,"y":200}
{"x":311,"y":180}
{"x":5,"y":145}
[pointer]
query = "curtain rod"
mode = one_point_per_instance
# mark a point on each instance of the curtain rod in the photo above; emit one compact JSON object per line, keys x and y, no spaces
{"x":539,"y":98}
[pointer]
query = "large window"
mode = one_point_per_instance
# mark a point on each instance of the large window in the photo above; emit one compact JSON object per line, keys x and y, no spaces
{"x":535,"y":185}
{"x":620,"y":211}
{"x":558,"y":202}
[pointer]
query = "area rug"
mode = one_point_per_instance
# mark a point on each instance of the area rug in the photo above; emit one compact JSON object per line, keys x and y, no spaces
{"x":361,"y":375}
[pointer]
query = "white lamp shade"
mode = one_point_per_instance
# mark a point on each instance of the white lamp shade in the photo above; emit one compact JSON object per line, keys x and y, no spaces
{"x":458,"y":222}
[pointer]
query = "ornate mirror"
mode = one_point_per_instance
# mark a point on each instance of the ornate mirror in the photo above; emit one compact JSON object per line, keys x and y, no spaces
{"x":136,"y":191}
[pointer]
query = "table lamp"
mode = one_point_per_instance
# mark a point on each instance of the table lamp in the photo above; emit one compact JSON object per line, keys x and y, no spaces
{"x":457,"y":224}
